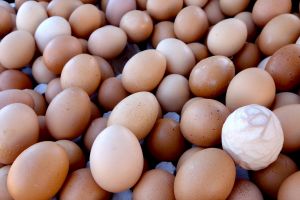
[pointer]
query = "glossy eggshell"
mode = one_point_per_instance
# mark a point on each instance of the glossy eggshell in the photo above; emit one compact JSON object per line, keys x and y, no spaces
{"x":68,"y":114}
{"x":205,"y":170}
{"x":40,"y":104}
{"x":4,"y":193}
{"x":6,"y":20}
{"x":288,"y":189}
{"x":116,"y":159}
{"x":162,"y":30}
{"x":19,"y":129}
{"x":39,"y":172}
{"x":248,"y":56}
{"x":81,"y":185}
{"x":15,"y":96}
{"x":115,"y":10}
{"x":95,"y":128}
{"x":285,"y":98}
{"x":187,"y":155}
{"x":155,"y":184}
{"x":246,"y":190}
{"x":163,"y":10}
{"x":40,"y":72}
{"x":137,"y":112}
{"x":62,"y":8}
{"x":14,"y":79}
{"x":53,"y":88}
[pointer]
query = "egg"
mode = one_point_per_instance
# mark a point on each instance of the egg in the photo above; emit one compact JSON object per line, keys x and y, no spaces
{"x":68,"y":114}
{"x":38,"y":172}
{"x":173,"y":92}
{"x":116,"y":159}
{"x":189,"y":102}
{"x":85,"y":19}
{"x":137,"y":24}
{"x":53,"y":88}
{"x":190,"y":24}
{"x":44,"y":4}
{"x":200,"y":3}
{"x":62,"y":8}
{"x":200,"y":51}
{"x":248,"y":56}
{"x":205,"y":170}
{"x":162,"y":30}
{"x":137,"y":112}
{"x":250,"y":86}
{"x":187,"y":155}
{"x":4,"y":194}
{"x":165,"y":141}
{"x":180,"y":58}
{"x":201,"y":122}
{"x":105,"y":68}
{"x":211,"y":76}
{"x":95,"y":112}
{"x":281,"y":30}
{"x":288,"y":189}
{"x":40,"y":72}
{"x":285,"y":98}
{"x":246,"y":17}
{"x":213,"y":12}
{"x":284,"y":67}
{"x":19,"y":130}
{"x":244,"y":189}
{"x":2,"y":69}
{"x":155,"y":184}
{"x":30,"y":15}
{"x":81,"y":185}
{"x":264,"y":10}
{"x":111,"y":92}
{"x":44,"y":134}
{"x":40,"y":104}
{"x":75,"y":154}
{"x":10,"y":49}
{"x":270,"y":178}
{"x":59,"y":51}
{"x":165,"y":10}
{"x":95,"y":128}
{"x":11,"y":96}
{"x":107,"y":42}
{"x":144,"y":71}
{"x":7,"y":23}
{"x":84,"y":45}
{"x":233,"y":7}
{"x":7,"y":6}
{"x":14,"y":79}
{"x":115,"y":9}
{"x":49,"y":29}
{"x":227,"y":37}
{"x":81,"y":71}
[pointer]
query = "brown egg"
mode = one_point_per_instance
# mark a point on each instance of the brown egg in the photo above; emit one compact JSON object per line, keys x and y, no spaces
{"x":39,"y":172}
{"x":44,"y":4}
{"x":88,"y":1}
{"x":205,"y":170}
{"x":59,"y":51}
{"x":105,"y":68}
{"x":95,"y":112}
{"x":233,"y":7}
{"x":81,"y":71}
{"x":165,"y":141}
{"x":246,"y":17}
{"x":227,"y":37}
{"x":187,"y":155}
{"x":190,"y":24}
{"x":116,"y":159}
{"x":137,"y":112}
{"x":19,"y":129}
{"x":250,"y":86}
{"x":44,"y":134}
{"x":246,"y":190}
{"x":173,"y":92}
{"x":115,"y":10}
{"x":85,"y":19}
{"x":40,"y":71}
{"x":285,"y":98}
{"x":189,"y":102}
{"x":270,"y":178}
{"x":62,"y":8}
{"x":284,"y":67}
{"x":84,"y":45}
{"x":288,"y":189}
{"x":14,"y":79}
{"x":180,"y":58}
{"x":10,"y":49}
{"x":248,"y":56}
{"x":7,"y":6}
{"x":95,"y":128}
{"x":144,"y":71}
{"x":2,"y":69}
{"x":15,"y":96}
{"x":40,"y":105}
{"x":6,"y":22}
{"x":213,"y":12}
{"x":162,"y":30}
{"x":155,"y":184}
{"x":75,"y":154}
{"x":200,"y":51}
{"x":200,"y":3}
{"x":278,"y":32}
{"x":163,"y":10}
{"x":30,"y":15}
{"x":49,"y":29}
{"x":19,"y":3}
{"x":141,"y":4}
{"x":107,"y":42}
{"x":264,"y":10}
{"x":4,"y":194}
{"x":111,"y":92}
{"x":68,"y":114}
{"x":201,"y":122}
{"x":289,"y":118}
{"x":53,"y":88}
{"x":81,"y":185}
{"x":211,"y":76}
{"x":137,"y":24}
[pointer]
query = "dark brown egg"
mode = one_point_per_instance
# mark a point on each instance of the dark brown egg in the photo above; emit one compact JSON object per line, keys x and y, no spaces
{"x":248,"y":56}
{"x":44,"y":134}
{"x":6,"y":22}
{"x":93,"y":131}
{"x":14,"y":79}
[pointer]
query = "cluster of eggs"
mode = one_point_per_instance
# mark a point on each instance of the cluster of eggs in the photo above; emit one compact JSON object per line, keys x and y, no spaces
{"x":96,"y":96}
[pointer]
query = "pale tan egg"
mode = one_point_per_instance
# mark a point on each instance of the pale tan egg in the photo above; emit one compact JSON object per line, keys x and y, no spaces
{"x":187,"y":155}
{"x":213,"y":11}
{"x":62,"y":8}
{"x":163,"y":10}
{"x":53,"y":88}
{"x":233,"y":7}
{"x":11,"y":96}
{"x":4,"y":193}
{"x":40,"y":72}
{"x":114,"y":10}
{"x":246,"y":17}
{"x":285,"y":98}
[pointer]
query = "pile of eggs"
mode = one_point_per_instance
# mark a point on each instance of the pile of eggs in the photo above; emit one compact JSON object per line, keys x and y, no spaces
{"x":149,"y":99}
